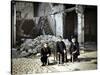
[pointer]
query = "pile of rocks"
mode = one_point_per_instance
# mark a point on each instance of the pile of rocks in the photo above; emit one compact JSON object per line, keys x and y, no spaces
{"x":34,"y":45}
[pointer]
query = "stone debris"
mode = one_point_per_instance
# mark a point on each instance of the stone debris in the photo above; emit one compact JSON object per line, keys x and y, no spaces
{"x":34,"y":45}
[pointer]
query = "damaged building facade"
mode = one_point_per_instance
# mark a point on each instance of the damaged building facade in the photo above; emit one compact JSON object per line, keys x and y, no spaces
{"x":36,"y":23}
{"x":32,"y":19}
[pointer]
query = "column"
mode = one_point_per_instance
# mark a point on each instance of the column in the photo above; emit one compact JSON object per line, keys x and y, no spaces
{"x":80,"y":26}
{"x":14,"y":25}
{"x":64,"y":25}
{"x":81,"y":29}
{"x":59,"y":24}
{"x":13,"y":11}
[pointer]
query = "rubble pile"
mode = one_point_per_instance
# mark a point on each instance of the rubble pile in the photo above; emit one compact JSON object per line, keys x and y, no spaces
{"x":34,"y":45}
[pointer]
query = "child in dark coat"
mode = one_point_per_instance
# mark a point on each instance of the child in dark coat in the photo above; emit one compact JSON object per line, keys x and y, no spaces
{"x":45,"y":53}
{"x":74,"y":50}
{"x":61,"y":49}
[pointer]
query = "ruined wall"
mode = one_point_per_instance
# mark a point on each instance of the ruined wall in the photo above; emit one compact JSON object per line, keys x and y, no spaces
{"x":25,"y":24}
{"x":25,"y":7}
{"x":42,"y":10}
{"x":56,"y":20}
{"x":59,"y":19}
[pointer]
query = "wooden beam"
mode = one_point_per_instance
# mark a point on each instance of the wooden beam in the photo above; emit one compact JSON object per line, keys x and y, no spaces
{"x":62,"y":11}
{"x":65,"y":10}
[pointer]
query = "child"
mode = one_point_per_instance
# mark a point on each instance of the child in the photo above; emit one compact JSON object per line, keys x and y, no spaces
{"x":74,"y":50}
{"x":45,"y":53}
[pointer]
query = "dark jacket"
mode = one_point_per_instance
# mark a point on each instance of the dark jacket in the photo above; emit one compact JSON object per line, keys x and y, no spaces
{"x":60,"y":46}
{"x":45,"y":51}
{"x":74,"y":47}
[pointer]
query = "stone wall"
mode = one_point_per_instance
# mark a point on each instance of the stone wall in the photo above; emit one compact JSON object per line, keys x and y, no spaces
{"x":25,"y":7}
{"x":56,"y":20}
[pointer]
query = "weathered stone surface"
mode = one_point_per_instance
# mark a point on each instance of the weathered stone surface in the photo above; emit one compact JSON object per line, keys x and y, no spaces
{"x":26,"y":66}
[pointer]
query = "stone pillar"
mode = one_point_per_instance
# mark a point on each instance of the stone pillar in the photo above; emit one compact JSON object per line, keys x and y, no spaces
{"x":81,"y":29}
{"x":80,"y":15}
{"x":54,"y":21}
{"x":58,"y":17}
{"x":59,"y":24}
{"x":64,"y":25}
{"x":13,"y":24}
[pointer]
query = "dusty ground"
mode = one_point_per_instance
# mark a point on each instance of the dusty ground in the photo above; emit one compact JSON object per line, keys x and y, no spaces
{"x":88,"y":61}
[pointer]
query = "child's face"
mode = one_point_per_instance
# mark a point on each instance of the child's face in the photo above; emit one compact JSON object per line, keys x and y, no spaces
{"x":45,"y":45}
{"x":73,"y":40}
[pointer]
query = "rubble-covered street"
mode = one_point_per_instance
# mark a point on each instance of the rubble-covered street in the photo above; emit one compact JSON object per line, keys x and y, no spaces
{"x":88,"y":61}
{"x":26,"y":59}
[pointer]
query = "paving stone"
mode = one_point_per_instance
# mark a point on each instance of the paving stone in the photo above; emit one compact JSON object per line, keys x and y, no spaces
{"x":33,"y":65}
